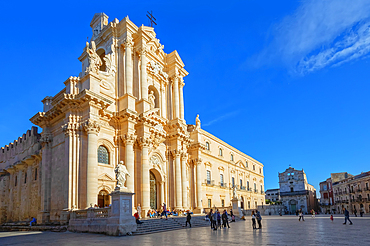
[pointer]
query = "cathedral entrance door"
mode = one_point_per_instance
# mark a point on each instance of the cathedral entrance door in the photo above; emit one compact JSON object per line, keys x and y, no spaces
{"x":153,"y":191}
{"x":103,"y":199}
{"x":293,"y":208}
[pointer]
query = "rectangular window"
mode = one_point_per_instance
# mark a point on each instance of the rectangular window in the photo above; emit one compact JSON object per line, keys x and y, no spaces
{"x":291,"y":189}
{"x":209,"y":203}
{"x":249,"y":204}
{"x":232,"y":181}
{"x":208,"y":177}
{"x":247,"y":185}
{"x":261,"y":189}
{"x":36,"y":174}
{"x":241,"y":183}
{"x":367,"y":186}
{"x":222,"y":179}
{"x":222,"y":203}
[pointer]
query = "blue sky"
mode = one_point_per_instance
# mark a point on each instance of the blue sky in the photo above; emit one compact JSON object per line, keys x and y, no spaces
{"x":286,"y":82}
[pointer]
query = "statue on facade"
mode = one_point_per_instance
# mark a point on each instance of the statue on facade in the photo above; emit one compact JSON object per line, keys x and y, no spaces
{"x":94,"y":60}
{"x":234,"y":192}
{"x":151,"y":98}
{"x":197,"y":121}
{"x":121,"y":172}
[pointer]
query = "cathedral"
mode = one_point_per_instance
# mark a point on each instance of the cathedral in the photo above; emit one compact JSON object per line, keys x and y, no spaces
{"x":126,"y":104}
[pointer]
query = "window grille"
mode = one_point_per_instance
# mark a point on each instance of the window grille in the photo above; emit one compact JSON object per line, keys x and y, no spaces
{"x":103,"y":155}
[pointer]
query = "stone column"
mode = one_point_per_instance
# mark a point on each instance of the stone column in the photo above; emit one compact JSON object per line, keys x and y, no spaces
{"x":163,"y":104}
{"x":92,"y":128}
{"x":128,"y":65}
{"x":175,"y":81}
{"x":130,"y":161}
{"x":181,"y":99}
{"x":184,"y":181}
{"x":45,"y":176}
{"x":199,"y":184}
{"x":143,"y":75}
{"x":162,"y":193}
{"x":145,"y":177}
{"x":178,"y":189}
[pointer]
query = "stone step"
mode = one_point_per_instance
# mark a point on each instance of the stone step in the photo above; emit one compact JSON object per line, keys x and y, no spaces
{"x":161,"y":225}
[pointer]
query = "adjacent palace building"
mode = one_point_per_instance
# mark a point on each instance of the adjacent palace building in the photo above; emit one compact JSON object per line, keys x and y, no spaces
{"x":127,"y":104}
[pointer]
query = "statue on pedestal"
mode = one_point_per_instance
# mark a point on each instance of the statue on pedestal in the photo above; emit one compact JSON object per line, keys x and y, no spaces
{"x":234,"y":192}
{"x":151,"y":100}
{"x":94,"y":60}
{"x":197,"y":121}
{"x":121,"y":172}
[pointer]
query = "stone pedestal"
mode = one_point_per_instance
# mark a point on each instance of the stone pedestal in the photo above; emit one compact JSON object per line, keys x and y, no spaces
{"x":120,"y":221}
{"x":236,"y":207}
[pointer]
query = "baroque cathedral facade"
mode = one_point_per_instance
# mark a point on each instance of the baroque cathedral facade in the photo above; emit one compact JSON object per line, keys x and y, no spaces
{"x":127,"y":105}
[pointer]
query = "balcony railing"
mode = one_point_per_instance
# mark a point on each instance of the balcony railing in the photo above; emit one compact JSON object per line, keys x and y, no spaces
{"x":262,"y":192}
{"x":209,"y":182}
{"x":223,"y":185}
{"x":255,"y":191}
{"x":242,"y":187}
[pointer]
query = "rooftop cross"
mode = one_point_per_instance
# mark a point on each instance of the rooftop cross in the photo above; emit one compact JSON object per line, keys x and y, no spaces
{"x":151,"y":18}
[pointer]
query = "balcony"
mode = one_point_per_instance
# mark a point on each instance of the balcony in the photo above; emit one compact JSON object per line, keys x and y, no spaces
{"x":222,"y":185}
{"x":262,"y":192}
{"x":242,"y":187}
{"x":255,"y":191}
{"x":358,"y":190}
{"x":209,"y":182}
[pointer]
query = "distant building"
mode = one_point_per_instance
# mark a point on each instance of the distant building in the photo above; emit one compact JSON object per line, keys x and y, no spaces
{"x":273,"y":195}
{"x":326,"y":191}
{"x":352,"y":193}
{"x":295,"y":192}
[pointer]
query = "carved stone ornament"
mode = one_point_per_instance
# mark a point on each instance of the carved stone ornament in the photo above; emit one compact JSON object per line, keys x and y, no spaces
{"x":93,"y":58}
{"x":91,"y":126}
{"x":121,"y":172}
{"x":110,"y":64}
{"x":156,"y":69}
{"x":155,"y":160}
{"x":159,"y":127}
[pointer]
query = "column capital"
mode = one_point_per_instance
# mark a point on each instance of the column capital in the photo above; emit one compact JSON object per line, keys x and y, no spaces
{"x":144,"y":142}
{"x":184,"y":156}
{"x":197,"y":161}
{"x":91,"y":127}
{"x":128,"y":139}
{"x":176,"y":153}
{"x":46,"y":139}
{"x":143,"y":51}
{"x":127,"y":43}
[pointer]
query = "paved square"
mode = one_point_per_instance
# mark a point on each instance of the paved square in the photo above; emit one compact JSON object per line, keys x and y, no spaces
{"x":285,"y":230}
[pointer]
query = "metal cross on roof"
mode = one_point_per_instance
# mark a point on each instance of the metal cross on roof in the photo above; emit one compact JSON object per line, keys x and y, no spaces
{"x":151,"y":18}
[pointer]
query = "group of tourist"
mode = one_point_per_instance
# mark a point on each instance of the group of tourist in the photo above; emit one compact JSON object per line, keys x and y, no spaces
{"x":215,"y":218}
{"x":256,"y":215}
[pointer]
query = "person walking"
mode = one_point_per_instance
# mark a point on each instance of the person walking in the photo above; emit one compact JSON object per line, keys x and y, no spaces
{"x":232,"y":216}
{"x":331,"y":218}
{"x":313,"y":213}
{"x":214,"y":220}
{"x":218,"y":219}
{"x":188,"y":218}
{"x":211,"y":218}
{"x":224,"y":219}
{"x":355,"y":212}
{"x":300,"y":213}
{"x":164,"y":209}
{"x":346,"y":216}
{"x":259,"y":218}
{"x":253,"y":220}
{"x":33,"y":221}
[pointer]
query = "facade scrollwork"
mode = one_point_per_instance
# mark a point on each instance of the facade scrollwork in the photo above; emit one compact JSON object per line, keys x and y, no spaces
{"x":93,"y":58}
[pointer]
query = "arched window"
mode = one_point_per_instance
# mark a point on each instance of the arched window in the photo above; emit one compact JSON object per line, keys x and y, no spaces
{"x":220,"y":152}
{"x":25,"y":177}
{"x":35,"y":173}
{"x":232,"y":157}
{"x":103,"y":155}
{"x":207,"y":145}
{"x":101,"y":54}
{"x":15,"y":181}
{"x":246,"y":164}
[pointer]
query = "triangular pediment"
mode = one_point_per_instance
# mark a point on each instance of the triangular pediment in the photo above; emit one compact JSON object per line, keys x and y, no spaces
{"x":105,"y":177}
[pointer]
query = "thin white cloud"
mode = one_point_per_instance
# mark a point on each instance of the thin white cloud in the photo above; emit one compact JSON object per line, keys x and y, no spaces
{"x":320,"y":33}
{"x":220,"y":118}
